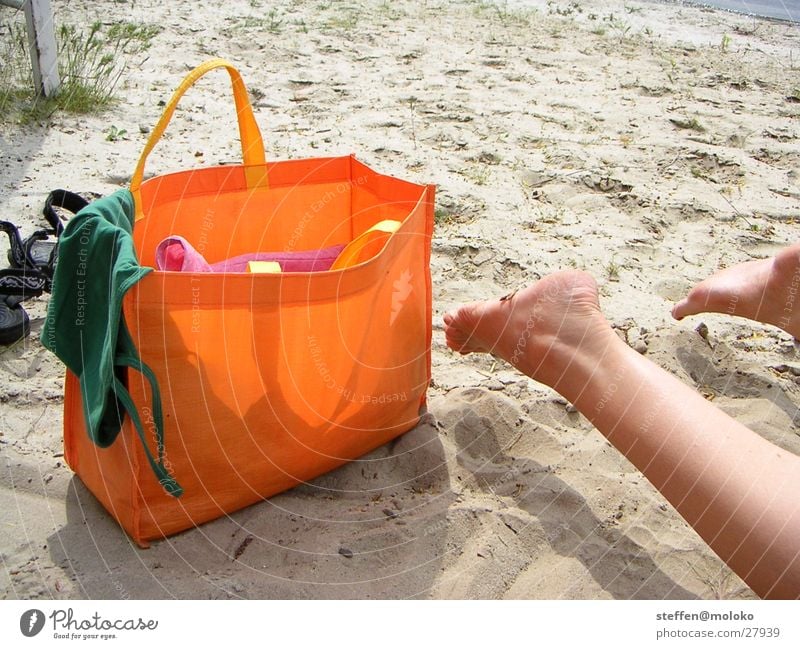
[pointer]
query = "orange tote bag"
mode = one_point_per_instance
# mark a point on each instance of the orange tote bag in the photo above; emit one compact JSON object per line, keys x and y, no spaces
{"x":267,"y":380}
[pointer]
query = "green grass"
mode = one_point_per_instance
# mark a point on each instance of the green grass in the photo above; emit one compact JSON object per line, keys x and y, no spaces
{"x":343,"y":19}
{"x":90,"y":63}
{"x":495,"y":10}
{"x":569,"y":10}
{"x":132,"y":34}
{"x":480,"y":8}
{"x":15,"y":74}
{"x":478,"y":174}
{"x":514,"y":15}
{"x":619,"y":27}
{"x":387,"y":10}
{"x":114,"y":134}
{"x":442,"y":216}
{"x":270,"y":22}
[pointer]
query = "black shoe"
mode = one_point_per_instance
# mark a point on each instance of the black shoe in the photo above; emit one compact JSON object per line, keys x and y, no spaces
{"x":14,"y":321}
{"x":32,"y":262}
{"x":39,"y":250}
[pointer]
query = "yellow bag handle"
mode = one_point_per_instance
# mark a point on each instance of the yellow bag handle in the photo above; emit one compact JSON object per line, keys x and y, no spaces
{"x":377,"y":235}
{"x":250,"y":135}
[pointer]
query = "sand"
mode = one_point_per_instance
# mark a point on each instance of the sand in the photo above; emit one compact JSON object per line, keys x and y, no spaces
{"x":645,"y":143}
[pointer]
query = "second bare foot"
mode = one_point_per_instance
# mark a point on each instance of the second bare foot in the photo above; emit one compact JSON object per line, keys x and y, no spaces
{"x":765,"y":291}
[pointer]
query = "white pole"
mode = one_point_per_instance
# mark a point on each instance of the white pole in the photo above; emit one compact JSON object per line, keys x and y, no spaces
{"x":42,"y":45}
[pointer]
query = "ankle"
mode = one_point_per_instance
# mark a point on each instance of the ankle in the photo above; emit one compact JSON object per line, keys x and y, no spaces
{"x":785,"y":278}
{"x":566,"y":363}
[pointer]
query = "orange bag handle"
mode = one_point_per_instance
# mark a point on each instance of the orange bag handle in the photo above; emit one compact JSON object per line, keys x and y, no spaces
{"x":249,"y":133}
{"x":366,"y":245}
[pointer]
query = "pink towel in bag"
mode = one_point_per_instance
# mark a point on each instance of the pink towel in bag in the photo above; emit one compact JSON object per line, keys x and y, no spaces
{"x":177,"y":254}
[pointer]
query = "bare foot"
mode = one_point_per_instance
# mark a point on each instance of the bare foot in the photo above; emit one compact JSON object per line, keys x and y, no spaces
{"x":539,"y":330}
{"x":765,"y":291}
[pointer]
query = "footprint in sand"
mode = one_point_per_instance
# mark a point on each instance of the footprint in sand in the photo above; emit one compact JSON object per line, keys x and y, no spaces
{"x":516,"y":520}
{"x":761,"y":397}
{"x":714,"y":168}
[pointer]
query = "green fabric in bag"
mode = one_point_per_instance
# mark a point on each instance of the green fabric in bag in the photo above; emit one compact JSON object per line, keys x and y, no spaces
{"x":85,"y":326}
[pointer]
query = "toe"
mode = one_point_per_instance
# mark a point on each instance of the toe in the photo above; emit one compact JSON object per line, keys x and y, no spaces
{"x":681,"y":309}
{"x":699,"y":300}
{"x":460,"y":329}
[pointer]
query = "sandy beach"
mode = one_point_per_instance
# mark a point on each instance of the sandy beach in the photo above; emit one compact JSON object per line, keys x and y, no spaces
{"x":646,"y":143}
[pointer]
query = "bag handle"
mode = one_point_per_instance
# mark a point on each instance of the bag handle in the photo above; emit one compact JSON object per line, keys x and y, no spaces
{"x":366,"y":245}
{"x":249,"y":133}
